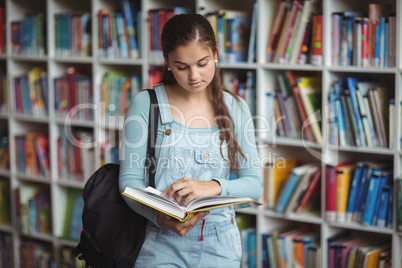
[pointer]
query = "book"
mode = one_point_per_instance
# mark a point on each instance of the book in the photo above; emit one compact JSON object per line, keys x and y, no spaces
{"x":152,"y":198}
{"x":277,"y":173}
{"x":343,"y":180}
{"x":310,"y":94}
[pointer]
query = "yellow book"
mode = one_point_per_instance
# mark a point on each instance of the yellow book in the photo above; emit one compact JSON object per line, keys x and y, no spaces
{"x":277,"y":174}
{"x":372,"y":257}
{"x":36,"y":97}
{"x":343,"y":179}
{"x":152,"y":198}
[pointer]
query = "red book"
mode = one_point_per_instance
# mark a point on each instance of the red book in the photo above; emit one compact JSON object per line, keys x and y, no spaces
{"x":376,"y":11}
{"x":316,"y":40}
{"x":2,"y":28}
{"x":276,"y":29}
{"x":330,"y":189}
{"x":311,"y":190}
{"x":306,"y":129}
{"x":365,"y":43}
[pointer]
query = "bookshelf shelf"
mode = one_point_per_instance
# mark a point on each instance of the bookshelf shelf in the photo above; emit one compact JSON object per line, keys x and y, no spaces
{"x":5,"y":172}
{"x":6,"y":228}
{"x":29,"y":58}
{"x":294,"y":67}
{"x":354,"y":69}
{"x":102,"y":130}
{"x":313,"y":218}
{"x":73,"y":59}
{"x":359,"y":227}
{"x":380,"y":151}
{"x":29,"y":178}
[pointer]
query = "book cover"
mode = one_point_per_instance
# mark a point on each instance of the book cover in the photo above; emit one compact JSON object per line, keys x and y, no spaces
{"x":343,"y":180}
{"x":276,"y":30}
{"x":371,"y":198}
{"x":398,"y":187}
{"x":277,"y":174}
{"x":152,"y":198}
{"x":310,"y":93}
{"x":316,"y":40}
{"x":354,"y":189}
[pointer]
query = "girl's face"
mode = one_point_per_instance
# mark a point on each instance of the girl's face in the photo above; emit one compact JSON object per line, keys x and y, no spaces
{"x":193,"y":66}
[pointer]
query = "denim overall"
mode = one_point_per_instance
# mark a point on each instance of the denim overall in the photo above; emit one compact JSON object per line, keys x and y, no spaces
{"x":195,"y":153}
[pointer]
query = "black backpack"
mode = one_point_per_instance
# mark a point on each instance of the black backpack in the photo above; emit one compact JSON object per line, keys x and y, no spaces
{"x":113,"y":233}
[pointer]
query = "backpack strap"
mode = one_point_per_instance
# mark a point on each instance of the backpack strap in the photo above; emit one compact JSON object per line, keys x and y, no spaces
{"x":152,"y":133}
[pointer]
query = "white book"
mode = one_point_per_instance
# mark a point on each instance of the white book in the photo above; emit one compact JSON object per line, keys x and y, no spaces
{"x":152,"y":198}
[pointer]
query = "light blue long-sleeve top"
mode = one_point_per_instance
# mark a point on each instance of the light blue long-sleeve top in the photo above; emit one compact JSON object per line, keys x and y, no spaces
{"x":249,"y":182}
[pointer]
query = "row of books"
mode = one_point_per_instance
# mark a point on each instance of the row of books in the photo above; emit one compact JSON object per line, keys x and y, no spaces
{"x":73,"y":216}
{"x":72,"y":92}
{"x":364,"y":40}
{"x":6,"y":250}
{"x":31,"y":92}
{"x":346,"y":250}
{"x":109,"y":154}
{"x":291,"y":248}
{"x":360,"y":192}
{"x":295,"y":106}
{"x":4,"y":149}
{"x":156,"y":20}
{"x":117,"y":90}
{"x":72,"y":34}
{"x":5,"y":204}
{"x":119,"y":32}
{"x":28,"y":36}
{"x":33,"y":209}
{"x":300,"y":189}
{"x":359,"y":112}
{"x":246,"y":224}
{"x":233,"y":34}
{"x":296,"y":34}
{"x":3,"y":92}
{"x":75,"y":154}
{"x":32,"y":150}
{"x":244,"y":86}
{"x":36,"y":254}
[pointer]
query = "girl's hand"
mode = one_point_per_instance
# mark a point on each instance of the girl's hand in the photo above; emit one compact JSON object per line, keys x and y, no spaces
{"x":186,"y":189}
{"x":180,"y":228}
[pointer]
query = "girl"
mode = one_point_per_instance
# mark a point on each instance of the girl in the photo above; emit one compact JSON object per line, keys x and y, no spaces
{"x":204,"y":132}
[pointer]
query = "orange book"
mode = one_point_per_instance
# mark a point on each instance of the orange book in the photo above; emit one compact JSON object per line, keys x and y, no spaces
{"x":316,"y":40}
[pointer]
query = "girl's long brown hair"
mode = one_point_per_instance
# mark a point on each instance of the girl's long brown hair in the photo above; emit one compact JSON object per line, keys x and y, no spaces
{"x":181,"y":30}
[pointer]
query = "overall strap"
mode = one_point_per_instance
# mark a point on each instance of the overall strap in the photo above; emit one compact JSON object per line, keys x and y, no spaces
{"x":152,"y":133}
{"x":166,"y":117}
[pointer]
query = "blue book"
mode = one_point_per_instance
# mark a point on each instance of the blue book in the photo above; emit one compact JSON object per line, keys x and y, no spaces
{"x":352,"y":200}
{"x":265,"y":262}
{"x":385,"y":180}
{"x":130,"y":14}
{"x":386,"y":43}
{"x":291,"y":184}
{"x":352,"y":86}
{"x":252,"y":46}
{"x":124,"y":51}
{"x":377,"y":45}
{"x":390,"y":208}
{"x":252,"y":248}
{"x":383,"y":208}
{"x":371,"y":198}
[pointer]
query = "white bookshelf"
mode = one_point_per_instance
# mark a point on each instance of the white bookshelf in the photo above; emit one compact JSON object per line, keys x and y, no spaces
{"x":266,"y":81}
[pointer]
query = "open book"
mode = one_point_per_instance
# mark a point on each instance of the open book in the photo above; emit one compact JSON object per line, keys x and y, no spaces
{"x":152,"y":198}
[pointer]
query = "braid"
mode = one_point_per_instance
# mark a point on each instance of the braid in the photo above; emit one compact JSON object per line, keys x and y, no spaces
{"x":225,"y":122}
